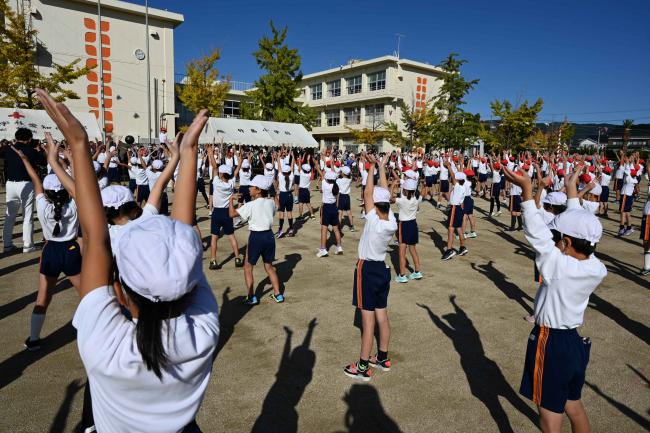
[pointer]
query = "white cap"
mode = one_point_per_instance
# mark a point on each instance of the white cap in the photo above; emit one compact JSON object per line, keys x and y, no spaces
{"x":330,"y":175}
{"x":410,"y":185}
{"x":111,"y":149}
{"x":116,"y":195}
{"x":268,"y":166}
{"x":306,"y":167}
{"x":380,"y":195}
{"x":52,"y":183}
{"x":579,"y":224}
{"x":261,"y":182}
{"x":555,"y":198}
{"x":345,"y":170}
{"x":134,"y":160}
{"x":245,"y":164}
{"x":410,"y":174}
{"x":286,"y":168}
{"x":460,"y":176}
{"x":96,"y":166}
{"x":157,"y":164}
{"x":225,"y":169}
{"x":159,"y":258}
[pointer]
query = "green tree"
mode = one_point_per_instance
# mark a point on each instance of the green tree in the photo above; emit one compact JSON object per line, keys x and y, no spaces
{"x":415,"y":130}
{"x":203,"y":87}
{"x":19,"y":77}
{"x":367,"y":135}
{"x":275,"y":92}
{"x":627,"y":127}
{"x":514,"y":124}
{"x":451,"y":125}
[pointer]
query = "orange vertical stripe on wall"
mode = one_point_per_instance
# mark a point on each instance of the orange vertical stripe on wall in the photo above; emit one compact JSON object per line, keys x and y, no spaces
{"x":91,"y":50}
{"x":89,"y":23}
{"x":92,"y":89}
{"x":93,"y":102}
{"x":92,"y":77}
{"x":105,"y":26}
{"x":90,"y":37}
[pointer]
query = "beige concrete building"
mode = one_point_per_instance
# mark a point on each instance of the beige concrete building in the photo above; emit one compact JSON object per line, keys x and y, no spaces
{"x":68,"y":30}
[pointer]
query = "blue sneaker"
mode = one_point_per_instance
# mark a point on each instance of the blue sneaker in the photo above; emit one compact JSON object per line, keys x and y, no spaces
{"x":401,"y":279}
{"x":277,"y":298}
{"x":251,"y":300}
{"x":415,"y":276}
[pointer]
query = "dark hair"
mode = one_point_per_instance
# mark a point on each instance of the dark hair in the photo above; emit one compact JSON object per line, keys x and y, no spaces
{"x":23,"y":134}
{"x":130,"y":209}
{"x":383,"y":207}
{"x":335,"y":186}
{"x":263,"y":192}
{"x":582,"y":246}
{"x":58,"y":198}
{"x":226,"y":176}
{"x":410,"y":194}
{"x":286,"y":180}
{"x":555,"y":208}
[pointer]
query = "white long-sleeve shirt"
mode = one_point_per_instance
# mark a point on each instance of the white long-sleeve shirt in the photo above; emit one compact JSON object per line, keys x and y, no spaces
{"x":567,"y":282}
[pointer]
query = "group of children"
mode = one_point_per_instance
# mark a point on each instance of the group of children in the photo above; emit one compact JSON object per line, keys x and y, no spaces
{"x":140,"y":264}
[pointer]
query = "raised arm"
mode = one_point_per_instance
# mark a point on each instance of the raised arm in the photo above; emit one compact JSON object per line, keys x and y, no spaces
{"x":317,"y":167}
{"x":452,"y":176}
{"x":240,"y":160}
{"x":383,"y":181}
{"x":368,"y":203}
{"x":185,"y":198}
{"x":159,"y":187}
{"x":97,"y":262}
{"x":53,"y":160}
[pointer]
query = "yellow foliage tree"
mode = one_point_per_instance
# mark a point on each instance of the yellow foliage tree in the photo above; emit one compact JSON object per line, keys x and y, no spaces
{"x":202,"y":86}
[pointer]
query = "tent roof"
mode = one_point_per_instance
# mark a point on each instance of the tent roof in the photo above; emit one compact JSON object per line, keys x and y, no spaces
{"x":256,"y":133}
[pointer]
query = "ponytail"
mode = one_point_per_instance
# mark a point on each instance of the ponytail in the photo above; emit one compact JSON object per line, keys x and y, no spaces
{"x":286,"y":181}
{"x":335,"y":189}
{"x":58,"y":198}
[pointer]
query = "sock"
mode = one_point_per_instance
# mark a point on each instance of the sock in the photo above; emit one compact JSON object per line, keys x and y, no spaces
{"x":381,"y":355}
{"x":290,"y":223}
{"x":492,"y":205}
{"x":498,"y":205}
{"x":519,"y":221}
{"x":646,"y":260}
{"x":281,"y":224}
{"x":512,"y":221}
{"x":629,"y":227}
{"x":36,"y":326}
{"x":621,"y":227}
{"x":363,"y":364}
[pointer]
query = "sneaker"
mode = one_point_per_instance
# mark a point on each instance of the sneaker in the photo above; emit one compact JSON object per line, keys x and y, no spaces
{"x":470,"y":235}
{"x":321,"y":253}
{"x":32,"y":345}
{"x":291,"y":233}
{"x":351,"y":228}
{"x":277,"y":298}
{"x":239,"y":262}
{"x":628,"y":232}
{"x":353,"y":371}
{"x":498,"y":213}
{"x":214,"y":265}
{"x":462,"y":251}
{"x":395,"y":242}
{"x":381,"y":365}
{"x":29,"y":249}
{"x":451,"y":252}
{"x":295,"y":200}
{"x":401,"y":279}
{"x":339,"y":250}
{"x":311,"y":217}
{"x":456,"y":236}
{"x":9,"y":249}
{"x":251,"y":300}
{"x":645,"y":272}
{"x":415,"y":276}
{"x":621,"y":231}
{"x":279,"y":234}
{"x":362,"y":216}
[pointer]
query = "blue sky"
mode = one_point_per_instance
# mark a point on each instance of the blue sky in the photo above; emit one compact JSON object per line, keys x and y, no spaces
{"x":588,"y":60}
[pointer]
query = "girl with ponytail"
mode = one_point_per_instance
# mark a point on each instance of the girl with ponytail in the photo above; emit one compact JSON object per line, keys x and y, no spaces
{"x":57,"y":213}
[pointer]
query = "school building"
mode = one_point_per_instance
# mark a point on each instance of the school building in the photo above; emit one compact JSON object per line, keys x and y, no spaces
{"x":69,"y":30}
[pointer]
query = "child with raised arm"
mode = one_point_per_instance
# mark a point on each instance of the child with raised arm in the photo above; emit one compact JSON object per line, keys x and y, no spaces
{"x":557,"y":356}
{"x":372,"y":276}
{"x":455,"y":214}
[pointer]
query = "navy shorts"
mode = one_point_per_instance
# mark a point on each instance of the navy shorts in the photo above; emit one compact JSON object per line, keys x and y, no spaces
{"x":435,"y":179}
{"x":285,"y":201}
{"x":221,"y":220}
{"x":371,"y":285}
{"x":444,"y":186}
{"x":272,"y":191}
{"x":645,"y":228}
{"x":200,"y":184}
{"x":344,"y":201}
{"x":626,"y":203}
{"x":482,"y":177}
{"x":515,"y":203}
{"x":604,"y":195}
{"x":618,"y":184}
{"x":455,"y":217}
{"x":211,"y":189}
{"x":58,"y":257}
{"x":428,"y":181}
{"x":555,"y":367}
{"x":329,"y":215}
{"x":142,"y":193}
{"x":244,"y":194}
{"x":260,"y":244}
{"x":408,"y":232}
{"x":468,"y":205}
{"x":113,"y":174}
{"x":496,"y":190}
{"x":164,"y":204}
{"x":296,"y":179}
{"x":132,"y":185}
{"x":303,"y":196}
{"x":502,"y":182}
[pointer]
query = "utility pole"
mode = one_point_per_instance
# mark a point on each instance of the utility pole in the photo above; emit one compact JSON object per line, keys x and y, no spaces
{"x":399,"y":38}
{"x":146,"y":24}
{"x":100,"y":57}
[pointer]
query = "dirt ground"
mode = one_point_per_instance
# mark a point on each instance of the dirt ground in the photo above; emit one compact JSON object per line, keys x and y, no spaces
{"x":458,"y":341}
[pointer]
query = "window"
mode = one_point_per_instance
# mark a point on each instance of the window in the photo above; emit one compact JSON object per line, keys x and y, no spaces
{"x":374,"y":115}
{"x":334,"y":88}
{"x":316,"y":91}
{"x":354,"y":85}
{"x":352,"y":116}
{"x":318,"y":121}
{"x":377,"y":81}
{"x":231,"y":109}
{"x":333,"y":118}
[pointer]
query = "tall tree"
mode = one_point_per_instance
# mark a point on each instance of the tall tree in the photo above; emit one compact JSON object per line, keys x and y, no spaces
{"x":627,"y":127}
{"x":203,"y":87}
{"x":275,"y":92}
{"x":452,"y":126}
{"x":19,"y":77}
{"x":514,"y":124}
{"x":416,"y":130}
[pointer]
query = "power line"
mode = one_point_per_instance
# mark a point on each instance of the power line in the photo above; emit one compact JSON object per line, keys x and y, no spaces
{"x":598,"y":112}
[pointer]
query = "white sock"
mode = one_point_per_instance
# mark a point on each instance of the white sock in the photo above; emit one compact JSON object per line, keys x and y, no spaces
{"x":36,"y":326}
{"x":646,"y":260}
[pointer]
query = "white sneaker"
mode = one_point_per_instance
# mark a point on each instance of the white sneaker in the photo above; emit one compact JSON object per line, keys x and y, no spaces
{"x":29,"y":249}
{"x":321,"y":253}
{"x":339,"y":250}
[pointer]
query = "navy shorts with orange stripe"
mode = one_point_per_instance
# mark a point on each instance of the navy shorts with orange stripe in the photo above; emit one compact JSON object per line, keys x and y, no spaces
{"x":626,"y":203}
{"x":455,"y":216}
{"x":371,"y":285}
{"x":408,"y":232}
{"x":645,"y":228}
{"x":555,"y":367}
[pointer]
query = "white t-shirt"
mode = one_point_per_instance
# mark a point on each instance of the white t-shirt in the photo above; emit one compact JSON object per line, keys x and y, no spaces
{"x":102,"y":182}
{"x":244,"y":177}
{"x":126,"y":396}
{"x":326,"y":189}
{"x":605,"y":179}
{"x":496,"y":176}
{"x":344,"y":185}
{"x":69,"y":223}
{"x":628,"y":185}
{"x":376,"y":235}
{"x":222,"y":192}
{"x":457,"y":194}
{"x":282,"y":182}
{"x":408,"y":209}
{"x":259,"y":213}
{"x":305,"y":179}
{"x":152,"y":177}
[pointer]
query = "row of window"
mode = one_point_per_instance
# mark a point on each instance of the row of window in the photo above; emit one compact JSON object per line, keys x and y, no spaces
{"x":352,"y":116}
{"x":376,"y":81}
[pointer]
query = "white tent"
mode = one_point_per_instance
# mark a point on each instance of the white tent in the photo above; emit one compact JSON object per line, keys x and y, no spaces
{"x":256,"y":133}
{"x":40,"y":123}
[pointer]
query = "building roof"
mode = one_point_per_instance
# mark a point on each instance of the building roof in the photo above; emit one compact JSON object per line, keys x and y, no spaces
{"x":378,"y":60}
{"x":159,"y":14}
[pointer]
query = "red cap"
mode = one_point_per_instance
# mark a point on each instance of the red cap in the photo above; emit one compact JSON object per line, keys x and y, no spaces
{"x":436,"y":164}
{"x":328,"y":163}
{"x":368,"y":165}
{"x":570,"y":160}
{"x":603,"y":161}
{"x":483,"y":160}
{"x":526,"y":167}
{"x":560,"y":172}
{"x":337,"y":163}
{"x":637,"y":167}
{"x":592,"y":169}
{"x":633,"y":173}
{"x":512,"y":158}
{"x":642,"y":161}
{"x":469,"y":172}
{"x":496,"y":166}
{"x":585,"y":178}
{"x":430,"y":163}
{"x":163,"y":129}
{"x":589,"y":158}
{"x":504,"y":161}
{"x":455,"y":158}
{"x":607,"y":170}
